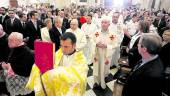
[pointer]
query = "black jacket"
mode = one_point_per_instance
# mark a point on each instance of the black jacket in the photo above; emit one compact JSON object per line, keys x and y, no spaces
{"x":133,"y":55}
{"x":4,"y":21}
{"x":12,"y":28}
{"x":147,"y":80}
{"x":55,"y":36}
{"x":160,"y":26}
{"x":33,"y":33}
{"x":21,"y":60}
{"x":165,"y":54}
{"x":65,"y":23}
{"x":4,"y":49}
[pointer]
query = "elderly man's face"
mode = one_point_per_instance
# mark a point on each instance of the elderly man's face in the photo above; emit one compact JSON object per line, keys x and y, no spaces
{"x":58,"y":24}
{"x":49,"y":24}
{"x":73,"y":25}
{"x":105,"y":24}
{"x":13,"y":42}
{"x":67,"y":46}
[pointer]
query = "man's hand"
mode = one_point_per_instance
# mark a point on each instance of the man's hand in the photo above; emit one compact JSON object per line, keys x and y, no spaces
{"x":107,"y":62}
{"x":10,"y":72}
{"x":101,"y":45}
{"x":7,"y":67}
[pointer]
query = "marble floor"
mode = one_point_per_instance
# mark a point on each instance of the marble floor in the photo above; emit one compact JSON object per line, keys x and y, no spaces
{"x":94,"y":92}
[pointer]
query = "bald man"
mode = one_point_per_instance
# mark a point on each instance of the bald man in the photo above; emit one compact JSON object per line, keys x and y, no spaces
{"x":18,"y":65}
{"x":81,"y":37}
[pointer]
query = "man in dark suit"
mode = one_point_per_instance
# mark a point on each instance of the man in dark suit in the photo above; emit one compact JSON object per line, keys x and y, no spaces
{"x":12,"y":24}
{"x":33,"y":27}
{"x":18,"y":66}
{"x":49,"y":15}
{"x":160,"y":23}
{"x":56,"y":32}
{"x":146,"y":78}
{"x":4,"y":17}
{"x":23,"y":20}
{"x":65,"y":22}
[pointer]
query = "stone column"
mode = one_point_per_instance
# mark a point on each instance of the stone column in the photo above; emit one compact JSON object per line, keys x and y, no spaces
{"x":145,"y":4}
{"x":91,"y":2}
{"x":165,"y":5}
{"x":157,"y":4}
{"x":149,"y":4}
{"x":102,"y":3}
{"x":61,"y":3}
{"x":142,"y":5}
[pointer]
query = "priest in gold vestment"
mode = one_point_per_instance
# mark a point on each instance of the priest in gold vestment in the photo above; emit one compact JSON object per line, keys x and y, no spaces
{"x":68,"y":78}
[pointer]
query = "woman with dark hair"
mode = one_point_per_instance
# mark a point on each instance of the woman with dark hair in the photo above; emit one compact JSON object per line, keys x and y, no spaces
{"x":132,"y":50}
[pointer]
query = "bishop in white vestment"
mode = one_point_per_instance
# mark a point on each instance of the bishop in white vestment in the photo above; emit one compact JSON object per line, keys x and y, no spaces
{"x":81,"y":37}
{"x":105,"y":42}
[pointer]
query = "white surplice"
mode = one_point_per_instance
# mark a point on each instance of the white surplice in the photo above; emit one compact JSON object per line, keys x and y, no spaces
{"x":100,"y":69}
{"x":117,"y":29}
{"x":81,"y":38}
{"x":89,"y":30}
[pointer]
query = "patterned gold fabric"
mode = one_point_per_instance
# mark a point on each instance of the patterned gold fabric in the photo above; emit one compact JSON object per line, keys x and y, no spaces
{"x":62,"y":80}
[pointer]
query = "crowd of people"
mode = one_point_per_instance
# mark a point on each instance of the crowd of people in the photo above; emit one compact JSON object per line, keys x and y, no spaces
{"x":84,"y":36}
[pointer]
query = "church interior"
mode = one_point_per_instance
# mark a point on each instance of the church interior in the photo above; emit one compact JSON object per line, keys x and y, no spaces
{"x":127,"y":17}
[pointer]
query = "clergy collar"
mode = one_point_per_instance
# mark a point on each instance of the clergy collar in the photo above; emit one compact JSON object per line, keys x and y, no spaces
{"x":104,"y":31}
{"x":71,"y":53}
{"x":74,"y":30}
